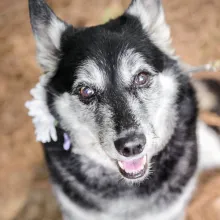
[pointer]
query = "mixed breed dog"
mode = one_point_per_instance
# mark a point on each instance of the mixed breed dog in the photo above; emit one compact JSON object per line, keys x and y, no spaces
{"x":122,"y":100}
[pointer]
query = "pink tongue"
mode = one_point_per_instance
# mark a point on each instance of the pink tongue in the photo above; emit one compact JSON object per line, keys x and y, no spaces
{"x":134,"y":165}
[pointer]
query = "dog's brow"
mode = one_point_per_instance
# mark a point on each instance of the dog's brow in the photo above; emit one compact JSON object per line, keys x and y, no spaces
{"x":129,"y":63}
{"x":89,"y":73}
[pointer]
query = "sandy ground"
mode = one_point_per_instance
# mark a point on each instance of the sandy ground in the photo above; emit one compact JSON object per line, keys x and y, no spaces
{"x":24,"y":190}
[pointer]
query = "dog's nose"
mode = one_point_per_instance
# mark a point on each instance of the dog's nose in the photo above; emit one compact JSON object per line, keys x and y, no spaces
{"x":131,"y":145}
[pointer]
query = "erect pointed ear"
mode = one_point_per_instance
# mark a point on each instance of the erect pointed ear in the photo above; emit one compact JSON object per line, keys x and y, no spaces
{"x":151,"y":15}
{"x":48,"y":29}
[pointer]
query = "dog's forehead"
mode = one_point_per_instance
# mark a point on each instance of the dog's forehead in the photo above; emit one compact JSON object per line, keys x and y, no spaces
{"x":114,"y":51}
{"x":110,"y":61}
{"x":121,"y":69}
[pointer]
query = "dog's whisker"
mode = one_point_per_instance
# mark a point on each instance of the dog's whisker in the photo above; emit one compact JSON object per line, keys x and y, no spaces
{"x":51,"y":91}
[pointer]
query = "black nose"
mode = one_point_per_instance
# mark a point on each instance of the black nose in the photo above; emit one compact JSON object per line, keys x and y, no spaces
{"x":131,"y":145}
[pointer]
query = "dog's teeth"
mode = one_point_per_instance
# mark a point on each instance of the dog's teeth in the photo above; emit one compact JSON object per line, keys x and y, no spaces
{"x":144,"y":160}
{"x":121,"y":165}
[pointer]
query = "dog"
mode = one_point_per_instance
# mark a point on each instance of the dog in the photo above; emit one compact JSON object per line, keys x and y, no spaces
{"x":121,"y":98}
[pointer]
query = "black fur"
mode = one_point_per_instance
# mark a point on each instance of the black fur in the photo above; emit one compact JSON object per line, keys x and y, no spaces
{"x":182,"y":146}
{"x":121,"y":34}
{"x":104,"y":43}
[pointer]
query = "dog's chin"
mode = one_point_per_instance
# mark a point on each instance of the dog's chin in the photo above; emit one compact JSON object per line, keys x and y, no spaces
{"x":134,"y":170}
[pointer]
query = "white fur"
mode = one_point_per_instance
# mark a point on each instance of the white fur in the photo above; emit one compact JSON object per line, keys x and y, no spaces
{"x":151,"y":16}
{"x":122,"y":208}
{"x":48,"y":43}
{"x":78,"y":120}
{"x":160,"y":100}
{"x":55,"y":31}
{"x":89,"y":73}
{"x":165,"y":118}
{"x":130,"y":64}
{"x":209,"y":147}
{"x":161,"y":112}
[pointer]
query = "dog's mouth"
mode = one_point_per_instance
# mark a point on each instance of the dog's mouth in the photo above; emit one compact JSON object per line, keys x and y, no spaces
{"x":133,"y":169}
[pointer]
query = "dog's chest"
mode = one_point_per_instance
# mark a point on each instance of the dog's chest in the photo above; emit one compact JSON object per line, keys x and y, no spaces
{"x":130,"y":207}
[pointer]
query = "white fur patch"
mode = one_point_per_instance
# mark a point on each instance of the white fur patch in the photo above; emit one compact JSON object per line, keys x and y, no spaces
{"x":48,"y":43}
{"x":122,"y":208}
{"x":55,"y":31}
{"x":130,"y":64}
{"x":165,"y":118}
{"x":79,"y":120}
{"x":91,"y":74}
{"x":161,"y":113}
{"x":209,"y":147}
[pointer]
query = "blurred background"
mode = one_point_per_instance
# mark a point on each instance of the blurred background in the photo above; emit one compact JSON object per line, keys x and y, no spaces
{"x":25,"y":192}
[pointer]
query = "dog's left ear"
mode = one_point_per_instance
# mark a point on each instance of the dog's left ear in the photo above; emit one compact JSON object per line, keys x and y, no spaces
{"x":151,"y":15}
{"x":48,"y":30}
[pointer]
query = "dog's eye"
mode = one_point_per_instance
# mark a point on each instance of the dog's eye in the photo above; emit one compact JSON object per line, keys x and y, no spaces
{"x":141,"y":79}
{"x":86,"y":92}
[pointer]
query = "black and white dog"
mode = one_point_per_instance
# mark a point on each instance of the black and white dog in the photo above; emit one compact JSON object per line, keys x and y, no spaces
{"x":121,"y":96}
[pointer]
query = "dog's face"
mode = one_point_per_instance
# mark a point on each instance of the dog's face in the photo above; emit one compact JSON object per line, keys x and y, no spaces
{"x":111,"y":87}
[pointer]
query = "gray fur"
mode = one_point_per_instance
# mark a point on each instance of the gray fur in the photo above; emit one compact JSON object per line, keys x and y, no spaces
{"x":86,"y":180}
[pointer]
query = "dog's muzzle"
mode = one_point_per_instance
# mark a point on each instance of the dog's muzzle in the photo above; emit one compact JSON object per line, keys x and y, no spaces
{"x":130,"y":147}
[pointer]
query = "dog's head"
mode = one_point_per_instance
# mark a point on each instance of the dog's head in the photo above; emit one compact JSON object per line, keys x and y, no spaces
{"x":112,"y":87}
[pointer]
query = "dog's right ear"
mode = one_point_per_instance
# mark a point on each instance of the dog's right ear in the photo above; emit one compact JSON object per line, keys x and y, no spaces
{"x":151,"y":15}
{"x":48,"y":30}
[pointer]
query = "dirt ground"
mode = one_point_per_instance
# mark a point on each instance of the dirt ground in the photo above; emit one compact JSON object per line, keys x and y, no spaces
{"x":24,"y":190}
